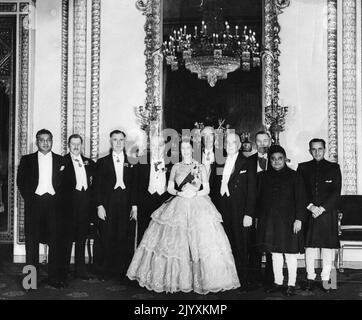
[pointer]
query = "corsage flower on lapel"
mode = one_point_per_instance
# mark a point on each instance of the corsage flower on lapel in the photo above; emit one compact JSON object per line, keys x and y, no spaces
{"x":157,"y":166}
{"x":86,"y":162}
{"x":62,"y":168}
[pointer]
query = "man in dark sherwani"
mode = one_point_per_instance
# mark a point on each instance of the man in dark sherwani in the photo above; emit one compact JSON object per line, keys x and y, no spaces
{"x":322,"y":179}
{"x":281,"y":212}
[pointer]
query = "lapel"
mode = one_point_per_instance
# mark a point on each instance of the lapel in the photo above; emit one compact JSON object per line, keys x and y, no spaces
{"x":35,"y":161}
{"x":54,"y":169}
{"x":240,"y":160}
{"x":69,"y":163}
{"x":111,"y":167}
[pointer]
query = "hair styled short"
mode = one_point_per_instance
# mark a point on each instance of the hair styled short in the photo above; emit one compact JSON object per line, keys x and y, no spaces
{"x":262,"y":132}
{"x":75,"y":136}
{"x":315,"y":140}
{"x":116,"y":132}
{"x":43,"y":131}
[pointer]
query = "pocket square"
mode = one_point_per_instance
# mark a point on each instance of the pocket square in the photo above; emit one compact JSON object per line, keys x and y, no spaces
{"x":329,"y":181}
{"x":61,"y":168}
{"x":242,"y":171}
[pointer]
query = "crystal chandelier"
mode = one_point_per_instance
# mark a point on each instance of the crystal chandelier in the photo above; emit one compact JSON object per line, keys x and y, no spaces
{"x":213,"y":50}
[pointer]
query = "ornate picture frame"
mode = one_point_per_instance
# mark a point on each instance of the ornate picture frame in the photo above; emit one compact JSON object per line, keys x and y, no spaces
{"x":152,"y":9}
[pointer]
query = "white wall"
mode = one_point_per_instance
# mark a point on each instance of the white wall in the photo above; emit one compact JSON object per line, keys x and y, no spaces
{"x":47,"y":71}
{"x":303,"y":75}
{"x":122,"y":74}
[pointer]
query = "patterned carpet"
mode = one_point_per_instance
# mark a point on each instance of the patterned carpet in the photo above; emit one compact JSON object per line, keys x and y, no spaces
{"x":349,"y":288}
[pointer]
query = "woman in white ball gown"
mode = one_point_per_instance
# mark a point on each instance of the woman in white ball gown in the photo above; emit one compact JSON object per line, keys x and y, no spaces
{"x":185,"y":247}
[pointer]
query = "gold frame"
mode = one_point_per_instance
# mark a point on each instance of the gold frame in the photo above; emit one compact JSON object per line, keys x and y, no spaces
{"x":152,"y":9}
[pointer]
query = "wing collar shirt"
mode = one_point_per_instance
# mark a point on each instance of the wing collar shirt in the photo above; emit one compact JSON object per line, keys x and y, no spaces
{"x":45,"y":184}
{"x":80,"y":173}
{"x":228,"y":169}
{"x":208,"y":158}
{"x":157,"y":181}
{"x":118,"y":161}
{"x":262,"y":162}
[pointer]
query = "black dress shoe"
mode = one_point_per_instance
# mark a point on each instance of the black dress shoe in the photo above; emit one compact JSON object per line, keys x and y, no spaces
{"x":290,"y":291}
{"x":309,"y":285}
{"x":55,"y":284}
{"x":82,"y":276}
{"x":242,"y":289}
{"x":274,"y":288}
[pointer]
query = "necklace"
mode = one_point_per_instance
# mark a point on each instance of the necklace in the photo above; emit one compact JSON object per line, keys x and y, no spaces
{"x":187,"y":164}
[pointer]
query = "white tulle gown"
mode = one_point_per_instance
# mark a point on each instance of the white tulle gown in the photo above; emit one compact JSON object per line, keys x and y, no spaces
{"x":185,"y":247}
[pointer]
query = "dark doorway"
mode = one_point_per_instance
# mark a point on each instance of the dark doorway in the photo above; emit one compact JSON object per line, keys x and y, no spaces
{"x":7,"y":105}
{"x":237,"y":99}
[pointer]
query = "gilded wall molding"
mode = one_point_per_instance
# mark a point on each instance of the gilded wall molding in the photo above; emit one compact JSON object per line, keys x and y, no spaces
{"x":332,"y":81}
{"x":268,"y":58}
{"x":152,"y":9}
{"x":7,"y":84}
{"x":23,"y":109}
{"x":64,"y":76}
{"x":95,"y":75}
{"x":80,"y":67}
{"x":153,"y":41}
{"x":281,"y":5}
{"x":349,"y":98}
{"x":271,"y":64}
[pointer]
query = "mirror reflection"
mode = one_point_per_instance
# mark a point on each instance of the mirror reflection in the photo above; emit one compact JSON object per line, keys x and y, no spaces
{"x":189,"y":99}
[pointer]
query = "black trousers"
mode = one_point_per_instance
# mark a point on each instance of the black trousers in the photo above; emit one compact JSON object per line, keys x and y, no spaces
{"x":150,"y":203}
{"x":41,"y":226}
{"x":238,"y":237}
{"x":116,"y":236}
{"x":255,"y":260}
{"x":76,"y":226}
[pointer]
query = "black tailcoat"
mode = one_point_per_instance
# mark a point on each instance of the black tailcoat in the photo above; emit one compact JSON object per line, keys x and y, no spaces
{"x":78,"y":211}
{"x":117,"y":231}
{"x":242,"y":188}
{"x":323,"y":185}
{"x":256,"y":255}
{"x":43,"y":214}
{"x":146,"y":203}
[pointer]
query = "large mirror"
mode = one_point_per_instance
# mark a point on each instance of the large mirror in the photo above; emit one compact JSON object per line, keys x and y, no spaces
{"x":236,"y":99}
{"x":7,"y":107}
{"x":247,"y":100}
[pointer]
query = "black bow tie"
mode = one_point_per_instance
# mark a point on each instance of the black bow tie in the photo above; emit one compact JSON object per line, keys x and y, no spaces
{"x":262,"y":163}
